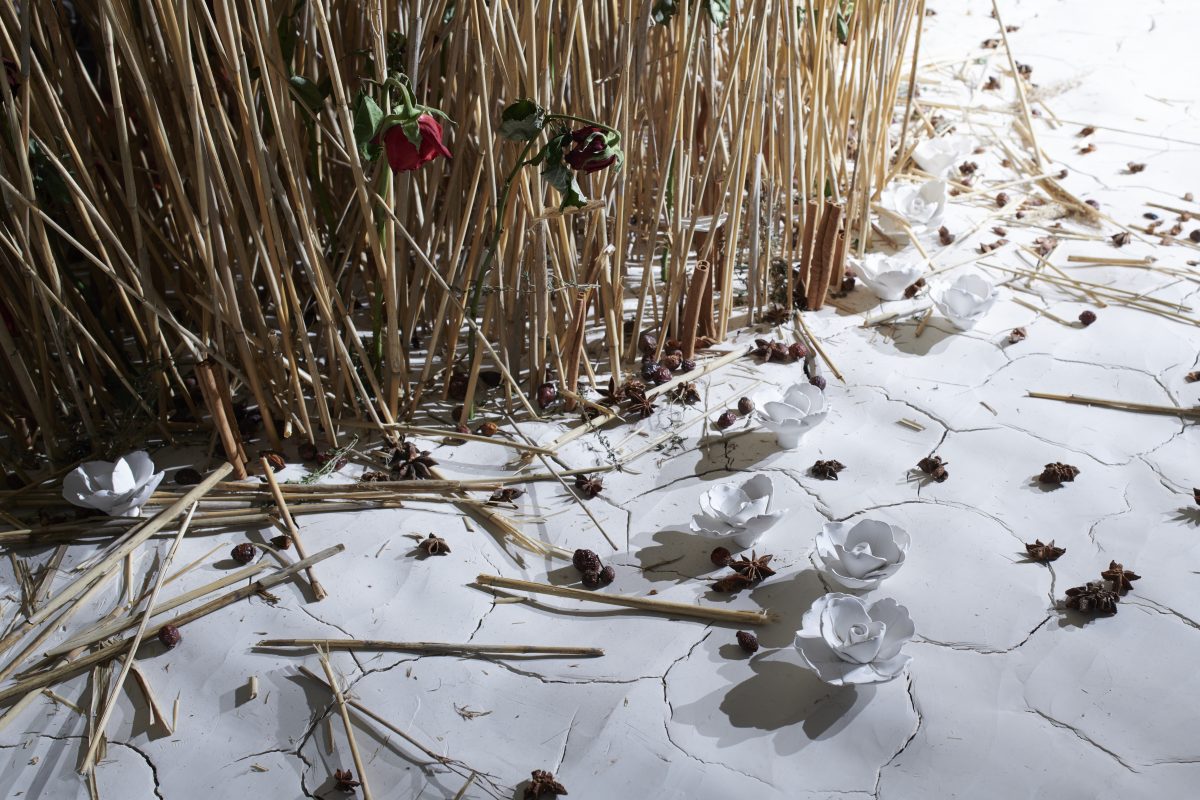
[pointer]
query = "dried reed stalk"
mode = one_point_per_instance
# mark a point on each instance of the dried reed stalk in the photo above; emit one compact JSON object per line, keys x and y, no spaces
{"x":434,"y":647}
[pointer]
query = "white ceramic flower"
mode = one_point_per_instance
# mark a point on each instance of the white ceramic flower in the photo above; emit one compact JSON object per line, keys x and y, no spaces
{"x":938,"y":156}
{"x":922,"y":206}
{"x":845,"y":641}
{"x":741,"y":513}
{"x":888,"y":276}
{"x":859,"y":555}
{"x":118,"y":489}
{"x":965,"y":301}
{"x":803,"y":407}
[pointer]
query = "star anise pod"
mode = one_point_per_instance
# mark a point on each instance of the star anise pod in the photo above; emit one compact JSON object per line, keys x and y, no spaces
{"x":934,"y":467}
{"x":282,"y":542}
{"x":639,"y":404}
{"x":618,"y":394}
{"x":1096,"y":597}
{"x":343,"y":779}
{"x":755,"y":568}
{"x":1039,"y":551}
{"x":373,"y":476}
{"x":771,"y":350}
{"x":732,"y":583}
{"x":589,"y":487}
{"x":505,"y":495}
{"x":1122,"y":579}
{"x":1133,"y":167}
{"x":542,"y":783}
{"x":827,"y":470}
{"x":945,"y":236}
{"x":1058,"y":472}
{"x":686,"y":392}
{"x":408,"y":462}
{"x":434,"y":545}
{"x":1121,"y":239}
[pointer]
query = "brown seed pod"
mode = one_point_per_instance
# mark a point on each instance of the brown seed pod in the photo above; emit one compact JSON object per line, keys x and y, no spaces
{"x":748,"y":641}
{"x":243,"y":553}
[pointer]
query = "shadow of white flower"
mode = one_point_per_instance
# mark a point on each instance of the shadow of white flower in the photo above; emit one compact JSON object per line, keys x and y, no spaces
{"x":845,"y":641}
{"x":859,"y":555}
{"x":802,"y":408}
{"x":921,"y":206}
{"x":118,"y":489}
{"x":740,"y":513}
{"x":965,"y":301}
{"x":887,"y":276}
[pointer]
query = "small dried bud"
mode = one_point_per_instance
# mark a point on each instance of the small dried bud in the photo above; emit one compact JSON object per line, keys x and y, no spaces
{"x":547,"y":394}
{"x":686,"y":365}
{"x":911,"y":291}
{"x":1087,"y":318}
{"x":1017,"y":335}
{"x":1038,"y":551}
{"x":745,"y":406}
{"x":647,"y":343}
{"x":1058,"y":472}
{"x":1002,"y":199}
{"x":1195,"y":235}
{"x":827,"y":470}
{"x":818,"y":381}
{"x":1093,"y":203}
{"x":748,"y":641}
{"x":434,"y":545}
{"x":1192,"y":377}
{"x":848,"y":284}
{"x":1121,"y":239}
{"x":1096,"y":597}
{"x":506,"y":495}
{"x":243,"y":553}
{"x":488,"y":428}
{"x":586,"y":561}
{"x":607,"y":575}
{"x":275,"y":459}
{"x":589,"y":487}
{"x":945,"y":236}
{"x":721,"y":557}
{"x":170,"y":636}
{"x":1122,"y":579}
{"x":649,"y":366}
{"x":343,"y":780}
{"x":1086,"y":131}
{"x":726,"y":420}
{"x":934,"y":467}
{"x":281,"y":542}
{"x":188,"y":477}
{"x":672,"y":362}
{"x":797,"y":351}
{"x":591,"y":579}
{"x":1134,"y":167}
{"x":662,"y":374}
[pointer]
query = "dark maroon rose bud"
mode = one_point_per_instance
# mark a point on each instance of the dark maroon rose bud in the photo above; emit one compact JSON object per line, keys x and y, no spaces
{"x":649,"y":366}
{"x":647,"y":343}
{"x":608,"y":575}
{"x":726,"y":419}
{"x":687,"y":365}
{"x":797,"y":351}
{"x":720,"y":556}
{"x":672,"y":362}
{"x":745,"y":406}
{"x":593,"y":148}
{"x":586,"y":561}
{"x":547,"y":395}
{"x":170,"y":636}
{"x":591,"y":579}
{"x":662,"y":374}
{"x":243,"y":553}
{"x":1087,"y":318}
{"x":817,"y":381}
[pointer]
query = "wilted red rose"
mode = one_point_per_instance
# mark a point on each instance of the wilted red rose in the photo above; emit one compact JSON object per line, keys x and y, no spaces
{"x":404,"y":156}
{"x":590,"y":151}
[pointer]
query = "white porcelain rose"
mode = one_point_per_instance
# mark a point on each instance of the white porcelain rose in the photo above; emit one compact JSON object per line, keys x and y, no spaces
{"x":921,"y":206}
{"x":802,"y":408}
{"x":938,"y":156}
{"x":118,"y":489}
{"x":888,"y":276}
{"x":847,"y":642}
{"x":965,"y":301}
{"x":859,"y":555}
{"x":740,"y":513}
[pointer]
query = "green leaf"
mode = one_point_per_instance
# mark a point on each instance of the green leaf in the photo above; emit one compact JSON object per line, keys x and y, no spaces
{"x":367,"y":116}
{"x":310,"y":94}
{"x":522,"y":121}
{"x":718,"y":11}
{"x":558,"y":174}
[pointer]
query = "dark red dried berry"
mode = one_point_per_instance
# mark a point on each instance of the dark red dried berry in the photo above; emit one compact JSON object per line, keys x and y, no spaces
{"x":797,"y":351}
{"x":1087,"y":318}
{"x":591,"y":579}
{"x":281,"y":542}
{"x":748,"y":641}
{"x":547,"y":394}
{"x":672,"y":362}
{"x":817,"y":381}
{"x":586,"y":561}
{"x":608,"y":575}
{"x":488,"y":428}
{"x":1195,"y":235}
{"x":188,"y":477}
{"x":687,"y":365}
{"x":649,"y":367}
{"x":720,"y":557}
{"x":745,"y":406}
{"x":726,"y":419}
{"x":243,"y":553}
{"x":662,"y":374}
{"x":169,"y":635}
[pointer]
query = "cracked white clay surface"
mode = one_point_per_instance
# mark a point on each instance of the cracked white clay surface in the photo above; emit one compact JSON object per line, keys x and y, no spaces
{"x":1006,"y":695}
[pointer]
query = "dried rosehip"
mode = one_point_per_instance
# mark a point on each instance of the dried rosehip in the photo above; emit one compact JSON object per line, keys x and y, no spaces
{"x":649,"y":367}
{"x":662,"y":374}
{"x":1017,"y":335}
{"x":1058,"y":472}
{"x":275,"y":459}
{"x":748,"y":641}
{"x":608,"y":575}
{"x":170,"y":636}
{"x":817,"y":381}
{"x":281,"y":542}
{"x":672,"y":362}
{"x":797,"y":351}
{"x":647,"y":343}
{"x":488,"y":428}
{"x":726,"y":420}
{"x":1087,"y":318}
{"x":547,"y":394}
{"x":745,"y":406}
{"x":720,"y":556}
{"x":586,"y":561}
{"x":591,"y":579}
{"x":243,"y":553}
{"x":188,"y":477}
{"x":687,"y":365}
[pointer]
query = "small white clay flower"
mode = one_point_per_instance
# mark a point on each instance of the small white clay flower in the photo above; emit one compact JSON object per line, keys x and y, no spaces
{"x":922,"y":206}
{"x":741,"y":513}
{"x":858,"y":555}
{"x":802,"y":408}
{"x":965,"y":301}
{"x":846,"y":642}
{"x":118,"y":489}
{"x":888,"y":276}
{"x":939,"y":156}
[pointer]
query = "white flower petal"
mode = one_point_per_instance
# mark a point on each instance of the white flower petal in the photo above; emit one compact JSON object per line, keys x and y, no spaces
{"x":899,"y":624}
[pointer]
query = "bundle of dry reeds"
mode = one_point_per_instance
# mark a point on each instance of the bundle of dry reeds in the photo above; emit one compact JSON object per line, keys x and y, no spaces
{"x":186,"y":180}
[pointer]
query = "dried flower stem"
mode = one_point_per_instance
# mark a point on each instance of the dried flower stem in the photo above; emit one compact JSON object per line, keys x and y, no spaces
{"x":1120,"y":405}
{"x":417,"y":430}
{"x":630,"y":601}
{"x":318,"y":590}
{"x":434,"y":647}
{"x":345,"y":713}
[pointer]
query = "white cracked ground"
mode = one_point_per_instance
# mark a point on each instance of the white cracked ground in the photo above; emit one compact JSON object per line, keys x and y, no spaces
{"x":1006,"y":695}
